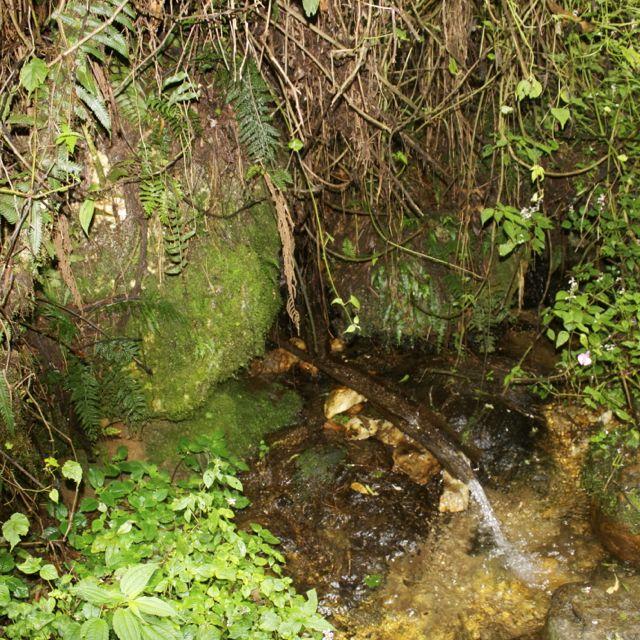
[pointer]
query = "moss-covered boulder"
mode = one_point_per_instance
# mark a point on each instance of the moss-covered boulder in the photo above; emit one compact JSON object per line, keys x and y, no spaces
{"x":245,"y":411}
{"x":612,"y":477}
{"x":210,"y":320}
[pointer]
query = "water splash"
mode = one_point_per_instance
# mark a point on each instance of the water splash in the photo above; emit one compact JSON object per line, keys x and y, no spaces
{"x":514,"y":559}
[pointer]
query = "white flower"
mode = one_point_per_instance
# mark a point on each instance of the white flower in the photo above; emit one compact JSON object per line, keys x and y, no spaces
{"x":584,"y":358}
{"x":231,"y":501}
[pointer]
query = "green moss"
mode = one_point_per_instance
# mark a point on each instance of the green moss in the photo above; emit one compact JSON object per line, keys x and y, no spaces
{"x":223,"y":304}
{"x":246,"y":413}
{"x":611,"y":476}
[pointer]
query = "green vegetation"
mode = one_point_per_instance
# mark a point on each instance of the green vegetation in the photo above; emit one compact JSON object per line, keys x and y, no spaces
{"x":151,"y":559}
{"x":610,"y":476}
{"x":222,"y":308}
{"x":244,"y":412}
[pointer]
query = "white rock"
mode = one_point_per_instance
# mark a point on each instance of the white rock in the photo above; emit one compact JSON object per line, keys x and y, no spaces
{"x":455,"y":497}
{"x":341,"y":399}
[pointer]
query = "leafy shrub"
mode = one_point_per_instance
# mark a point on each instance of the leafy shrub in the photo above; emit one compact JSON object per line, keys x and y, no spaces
{"x":151,"y":559}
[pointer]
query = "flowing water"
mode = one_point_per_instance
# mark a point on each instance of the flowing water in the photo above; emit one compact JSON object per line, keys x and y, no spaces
{"x":385,"y":563}
{"x":514,"y":559}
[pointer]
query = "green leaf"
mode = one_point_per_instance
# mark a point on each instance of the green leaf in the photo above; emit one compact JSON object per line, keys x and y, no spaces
{"x":561,"y":115}
{"x":486,"y":215}
{"x":5,"y":595}
{"x":136,"y":579}
{"x":310,"y":7}
{"x":89,"y":590}
{"x":537,"y":173}
{"x":95,"y":629}
{"x":30,"y":565}
{"x":126,"y":625}
{"x":155,"y":607}
{"x":453,"y":66}
{"x":295,"y":145}
{"x":72,"y":470}
{"x":561,"y":338}
{"x":33,"y":74}
{"x":54,"y":495}
{"x":506,"y":248}
{"x":85,"y":214}
{"x":49,"y":572}
{"x":15,"y":528}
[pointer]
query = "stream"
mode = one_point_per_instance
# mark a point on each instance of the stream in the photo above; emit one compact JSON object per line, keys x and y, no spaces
{"x":384,"y":561}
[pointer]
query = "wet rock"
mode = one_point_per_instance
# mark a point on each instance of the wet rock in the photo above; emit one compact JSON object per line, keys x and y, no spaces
{"x":618,"y":526}
{"x":340,"y":400}
{"x":416,"y":462}
{"x":455,"y":496}
{"x":608,"y":608}
{"x":360,"y":428}
{"x":505,"y":435}
{"x":569,"y":428}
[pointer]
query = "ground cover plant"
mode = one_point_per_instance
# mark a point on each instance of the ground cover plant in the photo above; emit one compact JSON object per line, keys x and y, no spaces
{"x":146,"y":557}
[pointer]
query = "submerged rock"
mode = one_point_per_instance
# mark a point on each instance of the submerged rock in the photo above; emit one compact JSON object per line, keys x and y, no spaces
{"x":608,"y":608}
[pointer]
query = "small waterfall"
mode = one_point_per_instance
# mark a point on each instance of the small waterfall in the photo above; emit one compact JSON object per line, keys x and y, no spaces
{"x":512,"y":557}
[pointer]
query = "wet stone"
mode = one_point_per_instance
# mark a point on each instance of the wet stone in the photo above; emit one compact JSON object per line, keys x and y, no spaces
{"x":606,"y":608}
{"x":335,"y":536}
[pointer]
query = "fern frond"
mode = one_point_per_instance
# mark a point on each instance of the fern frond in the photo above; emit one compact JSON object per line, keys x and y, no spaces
{"x":84,"y":388}
{"x":6,"y":406}
{"x":10,"y":206}
{"x":96,"y":105}
{"x":251,"y":99}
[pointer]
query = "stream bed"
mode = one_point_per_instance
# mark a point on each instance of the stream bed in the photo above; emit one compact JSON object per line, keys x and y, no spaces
{"x":385,"y":562}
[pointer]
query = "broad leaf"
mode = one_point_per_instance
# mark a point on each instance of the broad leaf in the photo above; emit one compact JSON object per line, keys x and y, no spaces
{"x":87,"y":209}
{"x":561,"y":115}
{"x":33,"y":74}
{"x":155,"y":607}
{"x":95,"y":629}
{"x":126,"y":625}
{"x":72,"y":471}
{"x":93,"y":593}
{"x":30,"y":565}
{"x":136,"y":578}
{"x":49,"y":572}
{"x":15,"y":528}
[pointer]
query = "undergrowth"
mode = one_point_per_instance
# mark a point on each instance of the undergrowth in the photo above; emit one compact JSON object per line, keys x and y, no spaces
{"x":147,"y":558}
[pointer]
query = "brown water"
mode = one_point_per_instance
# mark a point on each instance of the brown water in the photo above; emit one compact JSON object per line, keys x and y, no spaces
{"x":441,"y":576}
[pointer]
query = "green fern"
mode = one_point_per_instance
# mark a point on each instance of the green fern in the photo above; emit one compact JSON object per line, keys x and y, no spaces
{"x":6,"y":406}
{"x":84,"y":389}
{"x":10,"y":206}
{"x":251,"y":99}
{"x":122,"y":396}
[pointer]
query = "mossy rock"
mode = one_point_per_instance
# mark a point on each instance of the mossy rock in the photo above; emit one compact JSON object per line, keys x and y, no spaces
{"x":212,"y":318}
{"x":245,"y":411}
{"x":611,"y":476}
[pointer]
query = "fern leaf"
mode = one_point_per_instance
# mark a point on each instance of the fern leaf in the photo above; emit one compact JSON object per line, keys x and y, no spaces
{"x":9,"y":207}
{"x":251,"y":99}
{"x":84,"y":389}
{"x":96,"y":105}
{"x":6,"y":407}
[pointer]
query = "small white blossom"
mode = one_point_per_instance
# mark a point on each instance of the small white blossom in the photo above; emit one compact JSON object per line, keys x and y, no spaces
{"x":231,"y":501}
{"x":584,"y":359}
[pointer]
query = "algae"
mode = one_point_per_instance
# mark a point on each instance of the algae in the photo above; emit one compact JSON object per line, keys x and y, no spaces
{"x":245,"y":411}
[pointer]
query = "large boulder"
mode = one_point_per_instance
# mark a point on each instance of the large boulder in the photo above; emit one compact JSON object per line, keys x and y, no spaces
{"x":611,"y":475}
{"x":606,"y":608}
